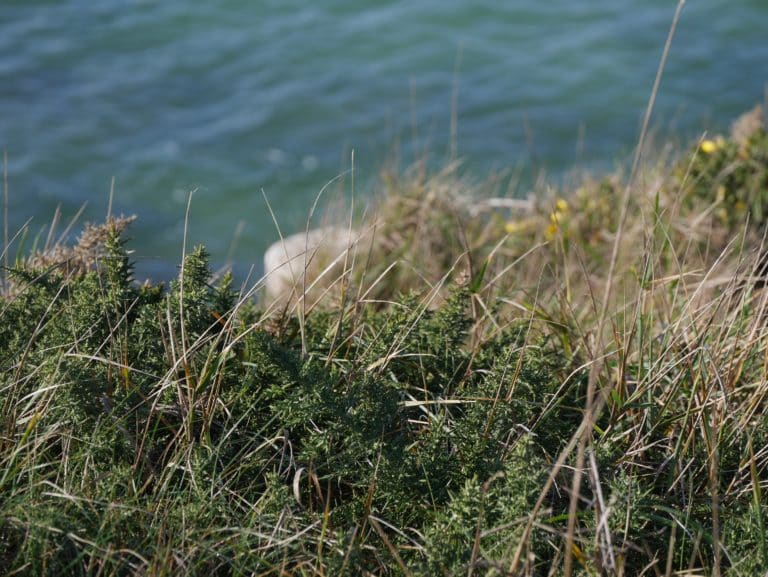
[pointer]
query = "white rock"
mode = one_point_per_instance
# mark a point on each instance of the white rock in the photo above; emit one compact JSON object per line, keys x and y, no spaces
{"x":320,"y":254}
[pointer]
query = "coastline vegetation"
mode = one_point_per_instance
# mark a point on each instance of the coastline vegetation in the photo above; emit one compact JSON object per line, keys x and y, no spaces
{"x":464,"y":398}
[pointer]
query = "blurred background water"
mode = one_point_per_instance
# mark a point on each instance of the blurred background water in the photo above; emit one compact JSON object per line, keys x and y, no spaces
{"x":231,"y":97}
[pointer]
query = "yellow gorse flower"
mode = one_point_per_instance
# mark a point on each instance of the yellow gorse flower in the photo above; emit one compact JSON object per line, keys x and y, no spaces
{"x":555,"y":218}
{"x":514,"y":226}
{"x":709,"y":146}
{"x":551,"y":231}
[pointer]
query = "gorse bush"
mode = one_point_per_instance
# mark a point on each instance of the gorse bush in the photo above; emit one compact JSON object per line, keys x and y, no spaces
{"x":485,"y":425}
{"x":732,"y":176}
{"x":150,"y":414}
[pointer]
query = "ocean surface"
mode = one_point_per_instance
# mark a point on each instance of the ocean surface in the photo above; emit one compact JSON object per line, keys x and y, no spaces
{"x":238,"y":100}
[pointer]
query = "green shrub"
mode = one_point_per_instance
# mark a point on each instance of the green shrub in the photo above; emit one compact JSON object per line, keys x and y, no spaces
{"x":731,"y":175}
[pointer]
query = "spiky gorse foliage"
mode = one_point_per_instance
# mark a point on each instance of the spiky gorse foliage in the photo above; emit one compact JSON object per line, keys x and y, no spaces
{"x":443,"y":431}
{"x":150,"y":431}
{"x":88,"y":252}
{"x":736,"y":173}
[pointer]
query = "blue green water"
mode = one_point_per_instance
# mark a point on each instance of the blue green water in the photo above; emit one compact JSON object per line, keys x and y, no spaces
{"x":229,"y":98}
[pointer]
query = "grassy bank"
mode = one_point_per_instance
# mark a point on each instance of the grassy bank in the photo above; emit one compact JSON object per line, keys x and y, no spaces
{"x":573,"y":385}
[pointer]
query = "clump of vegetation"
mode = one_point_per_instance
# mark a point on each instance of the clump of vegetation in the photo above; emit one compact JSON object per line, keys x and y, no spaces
{"x":468,"y":400}
{"x":732,"y":176}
